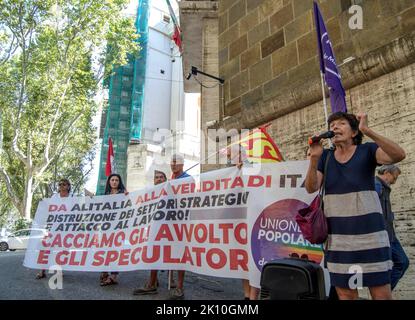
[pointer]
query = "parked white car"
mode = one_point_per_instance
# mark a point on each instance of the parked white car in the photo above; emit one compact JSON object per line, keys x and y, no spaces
{"x":3,"y":243}
{"x":20,"y":239}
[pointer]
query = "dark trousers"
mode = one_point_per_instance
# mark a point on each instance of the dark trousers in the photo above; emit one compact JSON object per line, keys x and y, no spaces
{"x":400,"y":262}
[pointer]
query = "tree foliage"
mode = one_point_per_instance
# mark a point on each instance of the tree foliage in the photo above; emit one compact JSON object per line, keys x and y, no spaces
{"x":53,"y":57}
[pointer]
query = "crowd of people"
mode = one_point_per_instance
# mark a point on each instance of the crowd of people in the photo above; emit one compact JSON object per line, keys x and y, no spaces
{"x":357,"y":206}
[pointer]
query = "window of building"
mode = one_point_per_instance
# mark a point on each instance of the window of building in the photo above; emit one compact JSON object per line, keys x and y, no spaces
{"x":166,"y":18}
{"x":123,"y":110}
{"x":123,"y":125}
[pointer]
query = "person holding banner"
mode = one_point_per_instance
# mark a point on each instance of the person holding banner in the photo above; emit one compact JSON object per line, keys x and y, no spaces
{"x":114,"y":186}
{"x":64,"y":188}
{"x":236,"y":156}
{"x":151,"y":286}
{"x":176,"y":165}
{"x":357,"y":248}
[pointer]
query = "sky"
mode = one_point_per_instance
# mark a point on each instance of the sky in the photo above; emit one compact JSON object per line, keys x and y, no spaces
{"x":93,"y":176}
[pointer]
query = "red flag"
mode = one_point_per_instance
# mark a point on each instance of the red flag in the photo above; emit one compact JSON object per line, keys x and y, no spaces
{"x":260,"y":147}
{"x":177,"y":37}
{"x":110,"y":166}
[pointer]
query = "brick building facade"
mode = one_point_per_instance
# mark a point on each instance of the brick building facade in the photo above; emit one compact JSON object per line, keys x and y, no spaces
{"x":267,"y":54}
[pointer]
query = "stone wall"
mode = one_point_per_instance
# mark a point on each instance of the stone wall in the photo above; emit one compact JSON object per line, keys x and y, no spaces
{"x":136,"y":167}
{"x":268,"y":57}
{"x":199,"y":24}
{"x":268,"y":51}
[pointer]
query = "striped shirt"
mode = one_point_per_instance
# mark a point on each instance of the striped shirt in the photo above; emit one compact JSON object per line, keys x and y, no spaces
{"x":358,"y":242}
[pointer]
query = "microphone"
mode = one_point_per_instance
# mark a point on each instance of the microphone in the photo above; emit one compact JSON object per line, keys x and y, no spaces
{"x":325,"y":135}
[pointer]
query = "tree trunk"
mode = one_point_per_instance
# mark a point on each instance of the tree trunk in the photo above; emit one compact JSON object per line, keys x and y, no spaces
{"x":28,"y":197}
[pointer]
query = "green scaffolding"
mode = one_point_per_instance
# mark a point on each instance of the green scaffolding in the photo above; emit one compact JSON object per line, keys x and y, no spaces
{"x":125,"y":103}
{"x":139,"y":72}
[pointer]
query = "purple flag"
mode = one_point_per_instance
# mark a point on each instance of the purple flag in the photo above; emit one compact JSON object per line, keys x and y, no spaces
{"x":328,"y":65}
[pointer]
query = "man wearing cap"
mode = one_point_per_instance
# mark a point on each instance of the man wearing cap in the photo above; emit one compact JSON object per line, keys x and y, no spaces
{"x":387,"y":176}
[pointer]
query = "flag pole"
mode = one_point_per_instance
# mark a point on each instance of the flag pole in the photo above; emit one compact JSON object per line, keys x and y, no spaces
{"x":324,"y":96}
{"x":214,"y":154}
{"x":169,"y":281}
{"x":325,"y":103}
{"x":195,"y":165}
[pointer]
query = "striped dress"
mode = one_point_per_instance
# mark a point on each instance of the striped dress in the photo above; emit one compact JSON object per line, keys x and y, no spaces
{"x":358,"y":250}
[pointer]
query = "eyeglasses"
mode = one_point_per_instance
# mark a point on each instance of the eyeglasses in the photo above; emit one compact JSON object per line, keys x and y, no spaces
{"x":62,"y":184}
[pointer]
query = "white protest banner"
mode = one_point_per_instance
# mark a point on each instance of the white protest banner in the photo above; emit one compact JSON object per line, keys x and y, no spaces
{"x":225,"y":223}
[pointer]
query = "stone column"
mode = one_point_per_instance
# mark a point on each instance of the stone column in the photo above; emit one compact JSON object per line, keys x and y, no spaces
{"x":210,"y":91}
{"x":136,"y":165}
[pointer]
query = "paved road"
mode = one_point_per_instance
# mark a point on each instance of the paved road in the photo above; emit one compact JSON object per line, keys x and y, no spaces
{"x":18,"y":282}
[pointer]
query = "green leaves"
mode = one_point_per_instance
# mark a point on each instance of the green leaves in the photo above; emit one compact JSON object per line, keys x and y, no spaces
{"x":53,"y":57}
